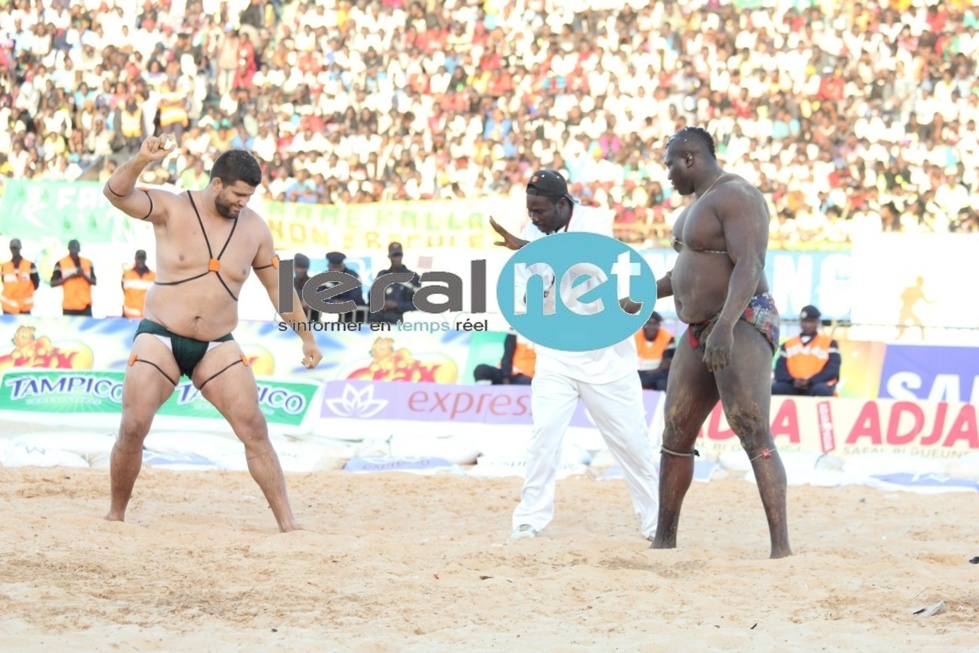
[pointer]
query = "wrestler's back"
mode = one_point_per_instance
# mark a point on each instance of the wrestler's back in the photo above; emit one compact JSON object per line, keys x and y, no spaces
{"x":200,"y":308}
{"x":703,"y":269}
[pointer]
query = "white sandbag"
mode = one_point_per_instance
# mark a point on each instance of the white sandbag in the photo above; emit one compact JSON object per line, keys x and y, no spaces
{"x":498,"y":468}
{"x":425,"y":465}
{"x":572,"y":454}
{"x":82,"y":443}
{"x":921,"y":483}
{"x":965,"y":467}
{"x":20,"y":455}
{"x":232,"y":462}
{"x":875,"y":464}
{"x":734,"y":461}
{"x":588,"y":439}
{"x":100,"y":460}
{"x":812,"y":477}
{"x":458,"y":449}
{"x":206,"y":445}
{"x":178,"y":462}
{"x":829,"y":462}
{"x":806,"y":469}
{"x":503,"y":442}
{"x":602,"y":459}
{"x":330,"y":462}
{"x":298,"y":456}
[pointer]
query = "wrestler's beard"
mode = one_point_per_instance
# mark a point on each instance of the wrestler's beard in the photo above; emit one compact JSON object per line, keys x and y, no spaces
{"x":226,"y":210}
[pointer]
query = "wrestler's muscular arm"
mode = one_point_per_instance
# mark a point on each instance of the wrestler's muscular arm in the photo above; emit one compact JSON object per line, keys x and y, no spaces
{"x":744,"y":218}
{"x":268,"y":274}
{"x":121,"y":191}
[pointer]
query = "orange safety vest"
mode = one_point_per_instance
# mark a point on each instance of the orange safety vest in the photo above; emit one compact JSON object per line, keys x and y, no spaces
{"x":524,"y":360}
{"x":651,"y":353}
{"x":805,"y":361}
{"x":78,"y":292}
{"x":134,"y":289}
{"x":18,"y":291}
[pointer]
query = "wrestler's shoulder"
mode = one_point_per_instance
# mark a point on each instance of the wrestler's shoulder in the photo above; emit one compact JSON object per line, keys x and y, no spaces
{"x":737,"y":187}
{"x":737,"y":183}
{"x":252,"y":219}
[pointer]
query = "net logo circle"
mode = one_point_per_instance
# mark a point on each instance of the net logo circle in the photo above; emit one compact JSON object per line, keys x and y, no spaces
{"x":562,"y":291}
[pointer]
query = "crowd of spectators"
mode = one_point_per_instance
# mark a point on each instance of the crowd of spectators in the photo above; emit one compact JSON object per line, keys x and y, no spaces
{"x":858,"y":118}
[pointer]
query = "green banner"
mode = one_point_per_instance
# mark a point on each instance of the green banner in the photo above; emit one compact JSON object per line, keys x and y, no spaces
{"x":42,"y":211}
{"x":77,"y":392}
{"x":62,"y":210}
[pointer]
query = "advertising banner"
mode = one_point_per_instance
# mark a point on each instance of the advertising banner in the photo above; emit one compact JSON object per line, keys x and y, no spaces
{"x":71,"y":393}
{"x":421,"y":402}
{"x":912,"y":284}
{"x":61,"y":210}
{"x":931,"y":372}
{"x":795,"y":279}
{"x":846,"y":427}
{"x":407,"y":354}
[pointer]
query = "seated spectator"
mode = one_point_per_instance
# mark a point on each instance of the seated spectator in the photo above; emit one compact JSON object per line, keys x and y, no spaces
{"x":655,"y":346}
{"x":808,"y":364}
{"x":516,"y":367}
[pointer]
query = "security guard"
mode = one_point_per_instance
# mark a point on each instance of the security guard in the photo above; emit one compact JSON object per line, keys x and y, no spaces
{"x":20,"y":280}
{"x":808,"y":364}
{"x":135,"y":282}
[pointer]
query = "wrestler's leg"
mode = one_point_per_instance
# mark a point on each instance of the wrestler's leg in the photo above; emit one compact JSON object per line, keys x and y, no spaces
{"x":745,"y":389}
{"x":148,"y":384}
{"x":690,"y":396}
{"x":230,"y":387}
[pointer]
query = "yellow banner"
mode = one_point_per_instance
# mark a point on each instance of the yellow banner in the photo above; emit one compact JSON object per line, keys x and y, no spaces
{"x":460,"y":224}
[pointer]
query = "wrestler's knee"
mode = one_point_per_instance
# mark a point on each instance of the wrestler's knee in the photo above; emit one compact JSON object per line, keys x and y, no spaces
{"x":752,"y":430}
{"x":133,"y":429}
{"x":254,"y":431}
{"x":673,"y":431}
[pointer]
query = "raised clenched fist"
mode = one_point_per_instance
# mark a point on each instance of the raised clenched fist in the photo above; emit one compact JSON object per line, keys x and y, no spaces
{"x":155,"y":148}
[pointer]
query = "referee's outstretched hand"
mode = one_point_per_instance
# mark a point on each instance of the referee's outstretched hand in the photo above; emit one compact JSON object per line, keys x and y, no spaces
{"x":509,"y":240}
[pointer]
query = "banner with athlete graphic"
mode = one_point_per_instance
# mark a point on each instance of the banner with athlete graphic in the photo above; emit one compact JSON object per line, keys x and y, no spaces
{"x":389,"y":354}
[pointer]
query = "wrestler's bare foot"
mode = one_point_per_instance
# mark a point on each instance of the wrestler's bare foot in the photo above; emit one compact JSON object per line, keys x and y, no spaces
{"x":290,"y":527}
{"x":781,"y":552}
{"x":113,"y":516}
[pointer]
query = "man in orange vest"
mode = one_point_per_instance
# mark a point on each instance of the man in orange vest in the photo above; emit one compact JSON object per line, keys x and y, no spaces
{"x":808,"y":364}
{"x":135,"y":282}
{"x":515,"y":368}
{"x":20,"y":280}
{"x":76,"y":275}
{"x":655,"y":346}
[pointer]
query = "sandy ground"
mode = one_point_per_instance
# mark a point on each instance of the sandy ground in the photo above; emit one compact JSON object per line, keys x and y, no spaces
{"x":400,"y":562}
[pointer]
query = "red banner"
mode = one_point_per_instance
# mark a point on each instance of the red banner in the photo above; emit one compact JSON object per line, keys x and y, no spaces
{"x":845,"y":427}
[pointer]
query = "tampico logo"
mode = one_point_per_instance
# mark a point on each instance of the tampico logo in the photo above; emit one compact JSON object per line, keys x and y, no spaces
{"x":557,"y":291}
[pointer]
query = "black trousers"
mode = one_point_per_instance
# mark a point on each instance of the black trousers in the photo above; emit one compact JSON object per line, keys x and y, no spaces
{"x":494,"y":375}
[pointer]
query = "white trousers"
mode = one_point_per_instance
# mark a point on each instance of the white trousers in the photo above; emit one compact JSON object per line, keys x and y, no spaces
{"x":618,"y":411}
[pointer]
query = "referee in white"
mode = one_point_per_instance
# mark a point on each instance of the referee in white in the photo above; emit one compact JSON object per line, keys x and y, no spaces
{"x":605,"y":379}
